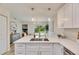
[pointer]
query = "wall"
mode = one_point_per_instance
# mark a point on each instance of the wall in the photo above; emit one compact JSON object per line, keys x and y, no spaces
{"x":71,"y":33}
{"x":4,"y":11}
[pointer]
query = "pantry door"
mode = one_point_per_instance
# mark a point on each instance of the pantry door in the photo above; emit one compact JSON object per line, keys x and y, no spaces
{"x":3,"y":34}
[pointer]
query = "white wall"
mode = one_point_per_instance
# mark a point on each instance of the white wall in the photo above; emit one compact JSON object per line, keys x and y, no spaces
{"x":5,"y":12}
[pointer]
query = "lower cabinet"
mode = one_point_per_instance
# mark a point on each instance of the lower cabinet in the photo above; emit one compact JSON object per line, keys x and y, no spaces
{"x":32,"y":53}
{"x":20,"y":49}
{"x":58,"y":49}
{"x":46,"y":52}
{"x":39,"y":53}
{"x":39,"y":49}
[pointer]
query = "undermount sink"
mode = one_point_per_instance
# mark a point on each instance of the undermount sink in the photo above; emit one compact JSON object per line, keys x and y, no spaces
{"x":39,"y":39}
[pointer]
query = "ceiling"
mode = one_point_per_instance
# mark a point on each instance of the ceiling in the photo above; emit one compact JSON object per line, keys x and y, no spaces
{"x":23,"y":11}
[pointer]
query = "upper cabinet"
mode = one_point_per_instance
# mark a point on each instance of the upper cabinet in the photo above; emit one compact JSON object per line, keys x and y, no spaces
{"x":60,"y":17}
{"x":69,"y":18}
{"x":76,"y":15}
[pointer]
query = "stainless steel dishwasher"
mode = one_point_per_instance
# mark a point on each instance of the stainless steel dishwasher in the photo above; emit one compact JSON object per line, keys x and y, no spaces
{"x":68,"y":52}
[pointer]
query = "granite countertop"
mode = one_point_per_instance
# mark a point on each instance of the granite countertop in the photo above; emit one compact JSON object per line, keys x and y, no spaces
{"x":69,"y":44}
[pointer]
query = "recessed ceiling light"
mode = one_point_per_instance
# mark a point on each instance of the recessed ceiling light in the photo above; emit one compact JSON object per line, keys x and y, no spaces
{"x":49,"y":9}
{"x":32,"y":9}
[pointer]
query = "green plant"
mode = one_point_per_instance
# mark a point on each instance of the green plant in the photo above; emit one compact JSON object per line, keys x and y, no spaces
{"x":39,"y":29}
{"x":46,"y":27}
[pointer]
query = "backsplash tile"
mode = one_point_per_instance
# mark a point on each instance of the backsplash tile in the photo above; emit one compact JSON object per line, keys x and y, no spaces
{"x":71,"y":33}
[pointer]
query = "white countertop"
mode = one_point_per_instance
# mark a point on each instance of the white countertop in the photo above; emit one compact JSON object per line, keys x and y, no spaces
{"x":69,"y":44}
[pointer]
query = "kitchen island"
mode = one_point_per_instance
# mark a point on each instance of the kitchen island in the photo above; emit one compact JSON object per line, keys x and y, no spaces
{"x":54,"y":46}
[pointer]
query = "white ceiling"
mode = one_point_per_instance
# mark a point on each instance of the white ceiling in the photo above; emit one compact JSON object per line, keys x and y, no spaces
{"x":22,"y":11}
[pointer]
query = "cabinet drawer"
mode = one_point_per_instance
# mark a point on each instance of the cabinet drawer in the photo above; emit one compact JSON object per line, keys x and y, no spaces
{"x":45,"y":44}
{"x":32,"y":47}
{"x":20,"y":52}
{"x":20,"y":49}
{"x":31,"y":53}
{"x":32,"y":44}
{"x":58,"y":49}
{"x":46,"y":47}
{"x":46,"y":53}
{"x":19,"y":45}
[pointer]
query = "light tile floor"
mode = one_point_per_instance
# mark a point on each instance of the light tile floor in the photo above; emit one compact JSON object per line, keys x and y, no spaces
{"x":11,"y":51}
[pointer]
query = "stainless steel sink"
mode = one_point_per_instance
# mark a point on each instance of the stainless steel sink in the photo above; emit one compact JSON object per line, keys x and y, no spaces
{"x":39,"y":39}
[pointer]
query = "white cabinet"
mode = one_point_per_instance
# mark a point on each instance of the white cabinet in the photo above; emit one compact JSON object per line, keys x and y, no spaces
{"x":58,"y":49}
{"x":68,"y":16}
{"x":68,"y":20}
{"x":38,"y":49}
{"x":32,"y":53}
{"x":60,"y":17}
{"x":32,"y":47}
{"x":46,"y":47}
{"x":20,"y":49}
{"x":65,"y":16}
{"x":46,"y":53}
{"x":76,"y":15}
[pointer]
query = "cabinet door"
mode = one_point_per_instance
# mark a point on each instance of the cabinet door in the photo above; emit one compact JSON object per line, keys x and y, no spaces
{"x":46,"y":52}
{"x":32,"y":47}
{"x":32,"y":53}
{"x":60,"y":17}
{"x":58,"y":49}
{"x":20,"y":52}
{"x":20,"y":49}
{"x":76,"y":15}
{"x":46,"y":47}
{"x":68,"y":20}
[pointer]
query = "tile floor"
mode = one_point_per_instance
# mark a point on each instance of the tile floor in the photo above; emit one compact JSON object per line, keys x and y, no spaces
{"x":11,"y":51}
